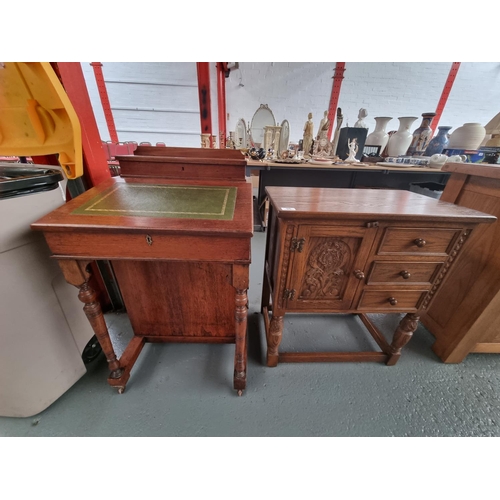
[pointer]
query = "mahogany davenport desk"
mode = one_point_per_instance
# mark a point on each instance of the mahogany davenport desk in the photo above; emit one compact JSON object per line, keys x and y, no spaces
{"x":357,"y":251}
{"x":177,"y":231}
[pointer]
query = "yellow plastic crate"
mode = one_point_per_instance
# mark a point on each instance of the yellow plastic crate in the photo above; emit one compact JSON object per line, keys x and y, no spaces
{"x":37,"y":117}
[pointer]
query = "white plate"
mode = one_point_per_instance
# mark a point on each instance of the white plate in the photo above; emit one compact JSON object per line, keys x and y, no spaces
{"x":321,"y":162}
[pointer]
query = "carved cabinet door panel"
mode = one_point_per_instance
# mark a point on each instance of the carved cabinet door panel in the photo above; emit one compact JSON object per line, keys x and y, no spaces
{"x":327,"y":267}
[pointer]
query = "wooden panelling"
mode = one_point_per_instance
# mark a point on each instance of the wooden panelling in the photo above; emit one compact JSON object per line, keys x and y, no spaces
{"x":164,"y":309}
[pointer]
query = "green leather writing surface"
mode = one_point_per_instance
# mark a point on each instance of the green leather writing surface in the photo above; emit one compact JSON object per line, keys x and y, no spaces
{"x":168,"y":201}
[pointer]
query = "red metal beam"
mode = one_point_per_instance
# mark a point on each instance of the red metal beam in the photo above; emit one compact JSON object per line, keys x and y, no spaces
{"x":334,"y":99}
{"x":221,"y":102}
{"x":106,"y":106}
{"x":203,"y":71}
{"x":444,"y":96}
{"x":94,"y":158}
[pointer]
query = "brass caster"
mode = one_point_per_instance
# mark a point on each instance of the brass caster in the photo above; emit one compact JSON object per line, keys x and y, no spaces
{"x":240,"y":392}
{"x":121,"y":390}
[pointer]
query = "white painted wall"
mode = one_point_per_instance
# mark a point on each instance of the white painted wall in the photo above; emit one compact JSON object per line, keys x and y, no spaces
{"x":151,"y":102}
{"x":292,"y":90}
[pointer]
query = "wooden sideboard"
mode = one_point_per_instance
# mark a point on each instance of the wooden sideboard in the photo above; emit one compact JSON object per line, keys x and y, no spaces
{"x":176,"y":227}
{"x":336,"y":176}
{"x":358,"y":251}
{"x":465,"y":317}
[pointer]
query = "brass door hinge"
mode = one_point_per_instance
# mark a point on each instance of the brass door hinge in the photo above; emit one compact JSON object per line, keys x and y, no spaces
{"x":288,"y":294}
{"x":297,"y":244}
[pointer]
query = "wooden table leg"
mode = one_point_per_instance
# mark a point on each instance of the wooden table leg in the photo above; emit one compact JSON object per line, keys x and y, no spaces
{"x":127,"y":360}
{"x":240,"y":282}
{"x":240,"y":356}
{"x":77,"y":274}
{"x":402,"y":336}
{"x":273,"y":337}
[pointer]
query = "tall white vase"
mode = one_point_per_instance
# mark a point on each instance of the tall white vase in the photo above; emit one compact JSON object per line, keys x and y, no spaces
{"x":401,"y":140}
{"x":379,"y":137}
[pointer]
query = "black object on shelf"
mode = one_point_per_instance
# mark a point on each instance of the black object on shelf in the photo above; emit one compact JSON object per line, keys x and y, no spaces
{"x":346,"y":135}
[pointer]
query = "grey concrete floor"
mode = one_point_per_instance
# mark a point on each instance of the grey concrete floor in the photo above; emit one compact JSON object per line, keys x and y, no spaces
{"x":186,"y":390}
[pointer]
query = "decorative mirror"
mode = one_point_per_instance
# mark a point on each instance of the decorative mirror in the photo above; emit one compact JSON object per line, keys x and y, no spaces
{"x":240,"y":134}
{"x":284,"y":137}
{"x":262,"y":117}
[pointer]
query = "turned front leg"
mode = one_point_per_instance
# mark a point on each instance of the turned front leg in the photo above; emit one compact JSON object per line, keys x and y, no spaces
{"x":77,"y":274}
{"x":93,"y":311}
{"x":402,"y":336}
{"x":273,"y":338}
{"x":240,"y":355}
{"x":240,"y":283}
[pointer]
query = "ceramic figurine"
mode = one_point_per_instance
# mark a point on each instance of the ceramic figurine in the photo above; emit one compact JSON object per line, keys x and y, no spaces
{"x":205,"y":140}
{"x":421,"y":136}
{"x":439,"y":143}
{"x":353,"y":150}
{"x":361,"y":116}
{"x":322,"y":147}
{"x":308,"y":135}
{"x":335,"y":141}
{"x":230,"y":141}
{"x":323,"y":127}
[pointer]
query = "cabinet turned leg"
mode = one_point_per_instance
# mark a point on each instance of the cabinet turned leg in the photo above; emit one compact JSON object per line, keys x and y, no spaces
{"x":402,"y":336}
{"x":240,"y":355}
{"x":93,"y":311}
{"x":274,"y":339}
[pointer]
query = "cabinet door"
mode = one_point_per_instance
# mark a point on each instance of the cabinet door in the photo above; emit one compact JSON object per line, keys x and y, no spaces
{"x":322,"y":276}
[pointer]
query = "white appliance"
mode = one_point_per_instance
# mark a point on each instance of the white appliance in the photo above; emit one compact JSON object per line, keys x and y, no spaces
{"x":43,"y":329}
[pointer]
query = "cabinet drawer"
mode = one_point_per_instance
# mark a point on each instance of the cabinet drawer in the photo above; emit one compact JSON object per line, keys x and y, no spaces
{"x":148,"y":246}
{"x":391,"y":300}
{"x":417,"y":241}
{"x":403,"y":273}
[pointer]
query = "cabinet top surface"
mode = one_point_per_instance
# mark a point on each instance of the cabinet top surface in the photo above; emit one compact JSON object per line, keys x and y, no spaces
{"x":173,"y":205}
{"x":301,"y":202}
{"x":491,"y":171}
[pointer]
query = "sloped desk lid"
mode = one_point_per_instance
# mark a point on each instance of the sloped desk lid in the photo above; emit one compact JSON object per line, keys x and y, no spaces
{"x":209,"y":207}
{"x":164,"y":201}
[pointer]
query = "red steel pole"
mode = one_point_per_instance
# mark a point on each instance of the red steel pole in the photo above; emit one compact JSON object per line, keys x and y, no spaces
{"x":221,"y":102}
{"x":334,"y":99}
{"x":444,"y":96}
{"x":95,"y":163}
{"x":203,"y":71}
{"x":106,"y":106}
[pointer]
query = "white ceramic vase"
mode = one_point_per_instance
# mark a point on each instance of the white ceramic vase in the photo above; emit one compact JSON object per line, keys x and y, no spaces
{"x":401,"y":140}
{"x":379,"y":137}
{"x":468,"y":136}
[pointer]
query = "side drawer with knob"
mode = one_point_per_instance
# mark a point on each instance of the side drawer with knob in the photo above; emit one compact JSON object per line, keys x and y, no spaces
{"x":418,"y":241}
{"x":391,"y":300}
{"x":403,"y":273}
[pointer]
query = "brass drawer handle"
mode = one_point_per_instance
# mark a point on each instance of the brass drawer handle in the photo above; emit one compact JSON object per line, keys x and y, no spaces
{"x":392,"y":301}
{"x":360,"y":275}
{"x":420,"y":242}
{"x":405,"y":274}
